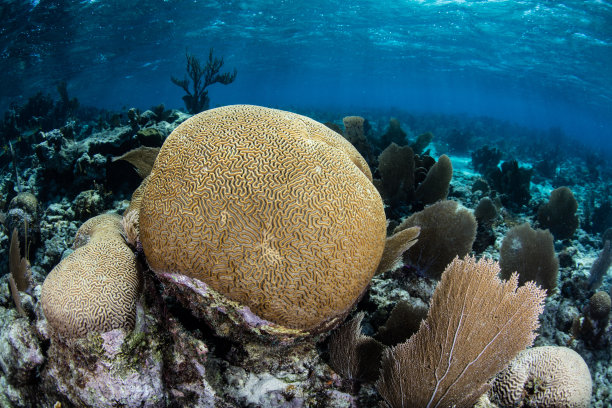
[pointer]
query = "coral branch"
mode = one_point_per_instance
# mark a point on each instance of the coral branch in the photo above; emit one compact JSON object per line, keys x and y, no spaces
{"x":197,"y":99}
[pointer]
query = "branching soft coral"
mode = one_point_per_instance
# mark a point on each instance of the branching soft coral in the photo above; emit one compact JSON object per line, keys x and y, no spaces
{"x":197,"y":99}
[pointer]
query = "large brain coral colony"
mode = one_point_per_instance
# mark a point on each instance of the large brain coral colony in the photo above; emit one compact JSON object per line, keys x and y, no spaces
{"x":270,"y":208}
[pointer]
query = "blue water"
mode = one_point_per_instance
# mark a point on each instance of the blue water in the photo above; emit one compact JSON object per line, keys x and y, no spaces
{"x":538,"y":63}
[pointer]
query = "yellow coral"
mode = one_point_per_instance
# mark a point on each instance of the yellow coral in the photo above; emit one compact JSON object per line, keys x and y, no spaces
{"x":270,"y":208}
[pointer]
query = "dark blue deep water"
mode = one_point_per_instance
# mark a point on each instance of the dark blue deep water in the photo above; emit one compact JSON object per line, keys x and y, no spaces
{"x":540,"y":64}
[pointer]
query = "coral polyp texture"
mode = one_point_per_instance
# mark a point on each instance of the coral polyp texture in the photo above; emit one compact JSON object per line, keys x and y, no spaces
{"x":96,"y":287}
{"x":548,"y":376}
{"x":269,"y":208}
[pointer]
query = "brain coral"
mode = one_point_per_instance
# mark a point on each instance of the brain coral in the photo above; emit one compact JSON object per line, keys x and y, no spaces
{"x":548,"y":376}
{"x":96,"y":287}
{"x":270,"y":208}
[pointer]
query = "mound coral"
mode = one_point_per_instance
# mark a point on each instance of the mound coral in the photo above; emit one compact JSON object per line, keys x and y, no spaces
{"x":548,"y":376}
{"x":96,"y":287}
{"x":269,"y":208}
{"x":591,"y":326}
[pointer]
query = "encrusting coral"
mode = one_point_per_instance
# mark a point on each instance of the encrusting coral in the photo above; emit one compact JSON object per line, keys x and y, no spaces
{"x":269,"y":208}
{"x":96,"y":287}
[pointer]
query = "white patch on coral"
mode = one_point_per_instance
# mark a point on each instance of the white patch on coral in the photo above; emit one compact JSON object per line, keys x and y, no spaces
{"x":257,"y":388}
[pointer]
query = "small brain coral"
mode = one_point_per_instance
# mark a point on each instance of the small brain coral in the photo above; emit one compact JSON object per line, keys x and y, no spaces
{"x":96,"y":287}
{"x":269,"y":208}
{"x":546,"y":377}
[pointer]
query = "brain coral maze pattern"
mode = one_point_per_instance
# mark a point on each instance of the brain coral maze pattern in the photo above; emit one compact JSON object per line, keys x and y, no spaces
{"x":270,"y":208}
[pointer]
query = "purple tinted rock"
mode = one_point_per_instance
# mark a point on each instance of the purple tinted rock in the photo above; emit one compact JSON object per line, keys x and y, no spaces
{"x":20,"y":353}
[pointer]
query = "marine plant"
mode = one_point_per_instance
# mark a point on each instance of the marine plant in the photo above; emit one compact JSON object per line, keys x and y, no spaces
{"x":20,"y":278}
{"x":447,"y":230}
{"x":394,"y":134}
{"x":202,"y":77}
{"x":485,"y":158}
{"x":600,"y":267}
{"x":512,"y":181}
{"x":485,"y":212}
{"x":354,"y":355}
{"x":421,"y":142}
{"x":410,"y":180}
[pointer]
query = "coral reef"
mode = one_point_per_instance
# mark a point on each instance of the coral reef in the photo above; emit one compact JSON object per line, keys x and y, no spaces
{"x":394,"y":134}
{"x":486,"y":213}
{"x":559,"y":213}
{"x":600,"y":267}
{"x":512,"y":182}
{"x":485,"y":158}
{"x":412,"y":181}
{"x":97,"y":286}
{"x":591,"y":326}
{"x":447,"y":231}
{"x":354,"y":355}
{"x":191,"y":345}
{"x":24,"y":216}
{"x":356,"y":131}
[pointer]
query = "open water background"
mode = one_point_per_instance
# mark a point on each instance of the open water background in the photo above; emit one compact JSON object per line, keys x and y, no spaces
{"x":541,"y":64}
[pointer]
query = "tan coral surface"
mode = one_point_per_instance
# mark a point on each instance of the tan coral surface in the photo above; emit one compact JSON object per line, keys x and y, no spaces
{"x":270,"y":208}
{"x":96,"y":287}
{"x":547,"y":376}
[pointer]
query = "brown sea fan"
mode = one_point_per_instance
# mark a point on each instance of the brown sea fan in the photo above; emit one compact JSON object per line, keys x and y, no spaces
{"x":476,"y":324}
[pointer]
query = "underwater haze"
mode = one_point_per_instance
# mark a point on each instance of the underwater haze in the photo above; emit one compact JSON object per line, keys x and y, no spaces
{"x":370,"y":203}
{"x":540,"y":64}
